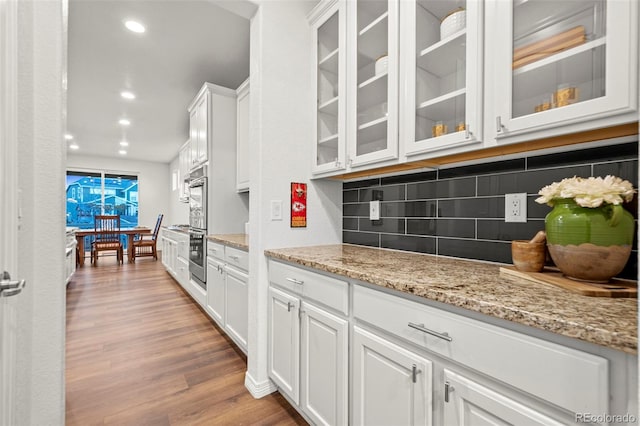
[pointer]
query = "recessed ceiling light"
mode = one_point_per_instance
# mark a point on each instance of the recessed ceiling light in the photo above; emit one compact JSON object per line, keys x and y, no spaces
{"x":68,"y":136}
{"x":122,"y":152}
{"x":74,"y":146}
{"x":124,"y":122}
{"x":124,"y":143}
{"x":135,"y":26}
{"x":127,"y":95}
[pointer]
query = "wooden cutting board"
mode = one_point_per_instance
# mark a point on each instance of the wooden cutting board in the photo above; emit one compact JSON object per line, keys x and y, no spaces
{"x":614,"y":288}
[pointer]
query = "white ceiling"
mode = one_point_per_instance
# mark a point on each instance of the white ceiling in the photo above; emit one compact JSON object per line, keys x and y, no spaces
{"x":185,"y":44}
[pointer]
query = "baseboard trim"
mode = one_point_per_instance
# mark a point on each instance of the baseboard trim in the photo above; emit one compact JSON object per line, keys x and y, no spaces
{"x":259,"y":389}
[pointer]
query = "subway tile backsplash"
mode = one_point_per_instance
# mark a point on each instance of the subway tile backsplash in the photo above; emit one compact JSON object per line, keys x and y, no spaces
{"x":459,"y":211}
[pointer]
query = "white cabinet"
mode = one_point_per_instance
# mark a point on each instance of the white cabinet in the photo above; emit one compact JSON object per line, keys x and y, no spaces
{"x":175,"y":255}
{"x":308,"y":344}
{"x":442,"y":77}
{"x":514,"y":71}
{"x":242,"y":137}
{"x":199,"y":127}
{"x":329,"y":41}
{"x":356,"y":70}
{"x":468,"y":402}
{"x":216,"y":290}
{"x":227,"y":290}
{"x":184,"y":162}
{"x":237,"y":314}
{"x":561,"y":66}
{"x":70,"y":254}
{"x":284,"y":342}
{"x":391,"y":385}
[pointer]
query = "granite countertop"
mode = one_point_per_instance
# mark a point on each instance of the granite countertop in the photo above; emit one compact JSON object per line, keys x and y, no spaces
{"x":240,"y":241}
{"x":178,"y":228}
{"x":478,"y":286}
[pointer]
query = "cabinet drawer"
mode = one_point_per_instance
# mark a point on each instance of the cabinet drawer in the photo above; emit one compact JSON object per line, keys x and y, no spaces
{"x":566,"y":377}
{"x":237,"y":258}
{"x":215,"y":250}
{"x":329,"y":291}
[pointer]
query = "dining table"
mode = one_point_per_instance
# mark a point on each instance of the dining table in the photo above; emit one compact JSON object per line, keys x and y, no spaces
{"x":129,"y":232}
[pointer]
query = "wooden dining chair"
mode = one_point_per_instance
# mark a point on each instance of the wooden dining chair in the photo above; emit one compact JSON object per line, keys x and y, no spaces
{"x":147,"y":246}
{"x":107,"y":237}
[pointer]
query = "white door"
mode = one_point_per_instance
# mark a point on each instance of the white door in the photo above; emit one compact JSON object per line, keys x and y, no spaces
{"x":237,"y":318}
{"x":9,"y":314}
{"x":324,"y":350}
{"x":391,"y":385}
{"x":284,"y":342}
{"x":469,"y":403}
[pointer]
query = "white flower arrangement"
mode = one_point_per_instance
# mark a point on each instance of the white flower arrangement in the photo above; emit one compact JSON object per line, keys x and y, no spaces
{"x":588,"y":192}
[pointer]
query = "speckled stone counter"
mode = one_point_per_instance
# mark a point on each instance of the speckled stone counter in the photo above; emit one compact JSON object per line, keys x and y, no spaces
{"x":240,"y":241}
{"x":478,"y":286}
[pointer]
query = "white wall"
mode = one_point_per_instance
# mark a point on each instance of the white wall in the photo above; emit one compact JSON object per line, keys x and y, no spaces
{"x":154,"y":181}
{"x":41,"y":123}
{"x":281,"y":133}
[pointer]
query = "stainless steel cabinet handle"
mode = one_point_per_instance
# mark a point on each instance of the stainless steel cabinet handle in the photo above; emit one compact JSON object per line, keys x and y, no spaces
{"x":467,"y":132}
{"x":499,"y":126}
{"x":289,"y":305}
{"x":234,"y":257}
{"x":414,"y":373}
{"x":293,"y":280}
{"x":10,"y":288}
{"x":421,"y":327}
{"x":447,"y":390}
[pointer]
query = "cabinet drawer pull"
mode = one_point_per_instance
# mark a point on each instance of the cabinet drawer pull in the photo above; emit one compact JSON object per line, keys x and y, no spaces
{"x":447,"y":390}
{"x":293,"y":280}
{"x":420,"y":327}
{"x":414,"y":373}
{"x":234,"y":257}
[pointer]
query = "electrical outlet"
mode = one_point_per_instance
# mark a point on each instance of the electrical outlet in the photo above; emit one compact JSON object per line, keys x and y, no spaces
{"x":515,"y":207}
{"x":374,"y":210}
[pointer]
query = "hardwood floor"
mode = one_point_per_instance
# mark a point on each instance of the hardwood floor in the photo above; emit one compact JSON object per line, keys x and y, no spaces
{"x":141,"y":352}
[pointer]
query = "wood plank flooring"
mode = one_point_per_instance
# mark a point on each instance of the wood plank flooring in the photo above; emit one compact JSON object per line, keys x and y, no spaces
{"x":141,"y":352}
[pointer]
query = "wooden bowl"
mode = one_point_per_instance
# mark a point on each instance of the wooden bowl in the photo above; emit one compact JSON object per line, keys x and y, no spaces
{"x":528,"y":256}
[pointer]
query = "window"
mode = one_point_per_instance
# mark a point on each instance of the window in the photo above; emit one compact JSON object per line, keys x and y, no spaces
{"x":92,"y":193}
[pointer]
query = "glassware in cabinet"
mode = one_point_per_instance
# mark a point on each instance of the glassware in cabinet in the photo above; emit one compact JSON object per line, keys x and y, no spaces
{"x":565,"y":63}
{"x":443,"y":75}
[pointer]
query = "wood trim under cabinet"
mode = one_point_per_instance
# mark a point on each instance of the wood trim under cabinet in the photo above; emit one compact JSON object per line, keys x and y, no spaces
{"x":628,"y":129}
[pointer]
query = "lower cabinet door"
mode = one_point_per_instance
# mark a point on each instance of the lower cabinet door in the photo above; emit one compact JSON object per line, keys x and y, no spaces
{"x":391,"y":385}
{"x":237,"y":309}
{"x":467,"y":402}
{"x":216,"y":290}
{"x":284,"y":342}
{"x":324,"y":358}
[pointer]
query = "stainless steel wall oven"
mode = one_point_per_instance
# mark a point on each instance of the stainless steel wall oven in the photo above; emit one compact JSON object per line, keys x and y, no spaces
{"x":198,"y":226}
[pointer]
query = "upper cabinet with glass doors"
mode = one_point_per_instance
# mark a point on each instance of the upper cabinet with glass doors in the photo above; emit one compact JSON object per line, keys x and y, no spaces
{"x":329,"y":33}
{"x":563,"y":63}
{"x":372,"y":82}
{"x":441,"y":59}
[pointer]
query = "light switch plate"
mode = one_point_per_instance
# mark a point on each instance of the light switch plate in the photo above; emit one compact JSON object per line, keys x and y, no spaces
{"x":374,"y":210}
{"x":276,"y":210}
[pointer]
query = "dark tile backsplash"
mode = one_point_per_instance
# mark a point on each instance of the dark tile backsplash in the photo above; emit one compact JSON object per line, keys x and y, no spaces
{"x":460,"y":211}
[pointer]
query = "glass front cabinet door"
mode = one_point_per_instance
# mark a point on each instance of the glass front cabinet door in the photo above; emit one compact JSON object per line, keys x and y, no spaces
{"x":563,"y":63}
{"x":442,"y":44}
{"x":372,"y":81}
{"x":329,"y":34}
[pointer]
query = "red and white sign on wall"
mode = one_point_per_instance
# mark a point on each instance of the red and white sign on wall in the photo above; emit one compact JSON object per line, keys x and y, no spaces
{"x":298,"y":205}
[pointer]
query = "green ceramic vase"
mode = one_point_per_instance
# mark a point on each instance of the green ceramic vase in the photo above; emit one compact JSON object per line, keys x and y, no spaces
{"x":591,"y":244}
